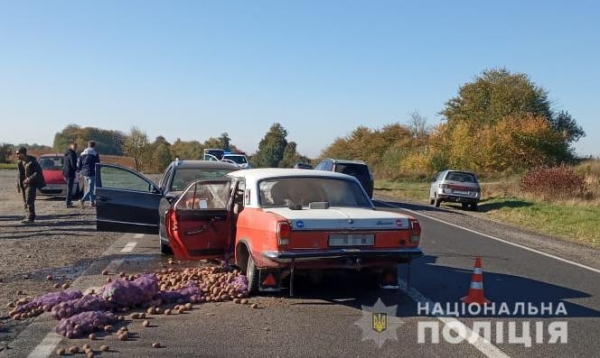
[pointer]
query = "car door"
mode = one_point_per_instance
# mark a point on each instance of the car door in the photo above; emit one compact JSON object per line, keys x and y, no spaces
{"x":199,"y":223}
{"x":126,"y":201}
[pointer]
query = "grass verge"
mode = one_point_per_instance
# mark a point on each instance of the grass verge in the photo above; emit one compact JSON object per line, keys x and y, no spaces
{"x":575,"y":221}
{"x":8,"y":166}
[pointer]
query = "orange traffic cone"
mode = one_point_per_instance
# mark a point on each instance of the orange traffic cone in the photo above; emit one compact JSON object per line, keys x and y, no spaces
{"x":475,"y":294}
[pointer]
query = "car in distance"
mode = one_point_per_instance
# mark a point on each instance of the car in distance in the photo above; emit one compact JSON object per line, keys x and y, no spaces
{"x":455,"y":186}
{"x":56,"y":186}
{"x":238,"y":159}
{"x":300,"y":165}
{"x":281,"y":222}
{"x":355,"y":168}
{"x":131,"y":202}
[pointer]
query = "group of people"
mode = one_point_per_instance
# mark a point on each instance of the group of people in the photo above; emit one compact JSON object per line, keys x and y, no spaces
{"x":31,"y":176}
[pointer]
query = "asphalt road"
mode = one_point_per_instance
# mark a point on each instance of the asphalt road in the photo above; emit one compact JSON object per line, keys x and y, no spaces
{"x":328,"y":321}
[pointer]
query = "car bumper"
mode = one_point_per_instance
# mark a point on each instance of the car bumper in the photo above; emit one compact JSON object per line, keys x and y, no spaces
{"x":54,"y":190}
{"x":312,"y":255}
{"x":458,"y":198}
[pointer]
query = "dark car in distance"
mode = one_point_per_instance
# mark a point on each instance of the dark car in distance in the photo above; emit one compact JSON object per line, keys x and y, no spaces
{"x":355,"y":168}
{"x":129,"y":201}
{"x":301,"y":165}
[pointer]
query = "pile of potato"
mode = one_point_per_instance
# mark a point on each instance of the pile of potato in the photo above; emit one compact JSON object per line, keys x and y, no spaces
{"x":217,"y":284}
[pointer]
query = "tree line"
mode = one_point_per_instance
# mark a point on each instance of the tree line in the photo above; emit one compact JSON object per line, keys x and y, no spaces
{"x":501,"y":122}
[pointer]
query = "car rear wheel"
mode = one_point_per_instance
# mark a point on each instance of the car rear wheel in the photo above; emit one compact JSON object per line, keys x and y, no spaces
{"x":473,"y":206}
{"x":465,"y":205}
{"x":252,"y":275}
{"x":437,"y":201}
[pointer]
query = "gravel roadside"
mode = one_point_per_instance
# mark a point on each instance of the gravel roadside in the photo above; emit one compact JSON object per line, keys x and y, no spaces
{"x":34,"y":258}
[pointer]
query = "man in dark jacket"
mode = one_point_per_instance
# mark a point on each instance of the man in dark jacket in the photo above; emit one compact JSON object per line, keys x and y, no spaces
{"x":69,"y":171}
{"x":30,"y":178}
{"x":87,"y":167}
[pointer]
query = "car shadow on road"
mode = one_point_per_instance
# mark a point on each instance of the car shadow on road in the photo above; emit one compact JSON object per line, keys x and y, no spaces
{"x":487,"y":206}
{"x":12,"y":217}
{"x":445,"y":286}
{"x":387,"y":204}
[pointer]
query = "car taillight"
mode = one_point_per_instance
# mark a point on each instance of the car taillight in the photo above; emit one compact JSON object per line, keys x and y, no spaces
{"x":283,"y":233}
{"x":415,"y":231}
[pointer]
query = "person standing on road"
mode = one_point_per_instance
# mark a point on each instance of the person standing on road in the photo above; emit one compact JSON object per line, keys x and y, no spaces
{"x":87,"y":167}
{"x":69,"y":171}
{"x":29,"y":180}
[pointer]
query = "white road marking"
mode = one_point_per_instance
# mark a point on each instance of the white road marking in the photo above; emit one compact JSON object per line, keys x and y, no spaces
{"x":47,"y":346}
{"x":482,"y":344}
{"x":496,"y":238}
{"x":138,"y":236}
{"x":129,"y":247}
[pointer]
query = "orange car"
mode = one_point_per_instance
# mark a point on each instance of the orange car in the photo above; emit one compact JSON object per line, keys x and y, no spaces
{"x":279,"y":222}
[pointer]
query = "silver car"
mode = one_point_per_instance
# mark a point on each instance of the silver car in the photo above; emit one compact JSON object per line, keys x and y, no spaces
{"x":455,"y":186}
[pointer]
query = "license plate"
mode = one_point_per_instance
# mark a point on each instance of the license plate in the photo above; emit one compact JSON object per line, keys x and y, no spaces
{"x":351,"y":239}
{"x":460,"y":192}
{"x":53,"y":187}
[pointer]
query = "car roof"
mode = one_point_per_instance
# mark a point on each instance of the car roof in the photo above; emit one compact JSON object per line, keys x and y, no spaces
{"x":206,"y":164}
{"x":52,"y":155}
{"x":346,"y":161}
{"x":233,"y":154}
{"x":265,"y":173}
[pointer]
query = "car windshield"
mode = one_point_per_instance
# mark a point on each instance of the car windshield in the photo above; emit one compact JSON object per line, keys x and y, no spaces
{"x":462,"y":177}
{"x":238,"y":159}
{"x":183,"y":176}
{"x":285,"y":192}
{"x":51,"y":163}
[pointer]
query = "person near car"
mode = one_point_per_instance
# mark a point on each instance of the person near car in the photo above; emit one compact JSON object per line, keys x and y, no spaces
{"x":70,"y":171}
{"x":29,"y":179}
{"x":87,"y":168}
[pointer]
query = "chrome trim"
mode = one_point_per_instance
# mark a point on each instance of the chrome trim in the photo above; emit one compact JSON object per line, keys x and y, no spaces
{"x":125,"y":223}
{"x":305,"y":255}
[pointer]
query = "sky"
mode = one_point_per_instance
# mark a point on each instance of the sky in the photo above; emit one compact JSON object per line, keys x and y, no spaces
{"x":195,"y":69}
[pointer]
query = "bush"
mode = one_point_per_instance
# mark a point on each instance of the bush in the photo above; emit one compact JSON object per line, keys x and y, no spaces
{"x":555,"y":183}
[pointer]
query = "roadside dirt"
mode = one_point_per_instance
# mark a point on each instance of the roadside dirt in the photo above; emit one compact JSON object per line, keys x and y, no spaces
{"x":60,"y":245}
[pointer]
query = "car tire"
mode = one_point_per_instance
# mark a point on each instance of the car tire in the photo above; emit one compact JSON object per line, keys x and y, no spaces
{"x":437,"y":201}
{"x":252,"y":275}
{"x":465,"y":205}
{"x":430,"y":201}
{"x":165,"y":249}
{"x":473,"y":206}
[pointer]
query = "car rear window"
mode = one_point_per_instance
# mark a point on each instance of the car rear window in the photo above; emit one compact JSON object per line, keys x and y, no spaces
{"x":352,"y":169}
{"x":51,"y":163}
{"x":305,"y":190}
{"x":461,"y":177}
{"x":239,"y":159}
{"x":183,"y":176}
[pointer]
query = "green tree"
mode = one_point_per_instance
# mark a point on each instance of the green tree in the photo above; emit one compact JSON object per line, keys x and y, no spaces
{"x":271,"y":148}
{"x":136,"y":146}
{"x":291,"y":156}
{"x":224,"y":142}
{"x":496,"y":95}
{"x":161,"y":157}
{"x":187,"y":149}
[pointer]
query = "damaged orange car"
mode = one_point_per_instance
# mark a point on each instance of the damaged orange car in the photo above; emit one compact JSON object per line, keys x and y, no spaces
{"x":281,"y":222}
